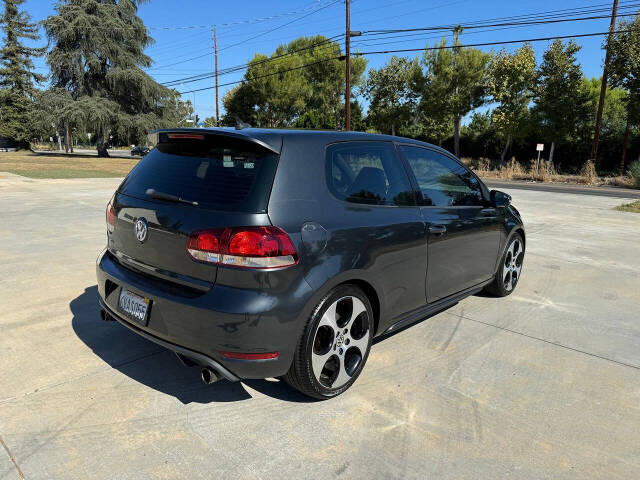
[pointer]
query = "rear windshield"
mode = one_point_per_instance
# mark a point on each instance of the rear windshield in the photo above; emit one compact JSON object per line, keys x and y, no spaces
{"x":218,"y":172}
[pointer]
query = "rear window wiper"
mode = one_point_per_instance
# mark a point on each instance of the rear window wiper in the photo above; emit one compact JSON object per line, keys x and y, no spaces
{"x":168,"y":197}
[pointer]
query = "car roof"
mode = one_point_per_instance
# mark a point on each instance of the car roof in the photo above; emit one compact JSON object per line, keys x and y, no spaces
{"x":272,"y":138}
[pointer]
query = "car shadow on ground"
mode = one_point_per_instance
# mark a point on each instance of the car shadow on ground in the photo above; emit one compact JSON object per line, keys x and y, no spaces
{"x":155,"y":366}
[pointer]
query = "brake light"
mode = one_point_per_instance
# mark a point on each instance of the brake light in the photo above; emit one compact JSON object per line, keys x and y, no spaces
{"x":248,"y":247}
{"x":190,"y":136}
{"x":111,"y":218}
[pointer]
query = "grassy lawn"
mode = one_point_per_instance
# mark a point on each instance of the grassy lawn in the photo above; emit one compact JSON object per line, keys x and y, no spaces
{"x":60,"y":166}
{"x":630,"y":207}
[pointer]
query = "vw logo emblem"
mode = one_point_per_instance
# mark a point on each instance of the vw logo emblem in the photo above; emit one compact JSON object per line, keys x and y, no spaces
{"x":140,"y":228}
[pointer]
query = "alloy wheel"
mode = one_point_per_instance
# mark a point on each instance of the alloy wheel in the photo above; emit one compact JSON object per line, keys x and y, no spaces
{"x":340,"y":343}
{"x":512,"y":265}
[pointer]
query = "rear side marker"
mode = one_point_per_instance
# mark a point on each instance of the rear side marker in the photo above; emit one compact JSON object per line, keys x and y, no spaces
{"x":250,"y":356}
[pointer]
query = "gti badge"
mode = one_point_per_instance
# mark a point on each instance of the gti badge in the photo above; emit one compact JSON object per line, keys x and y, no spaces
{"x":141,"y":229}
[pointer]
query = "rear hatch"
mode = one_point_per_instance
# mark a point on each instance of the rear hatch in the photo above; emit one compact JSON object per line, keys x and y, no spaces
{"x":199,"y":180}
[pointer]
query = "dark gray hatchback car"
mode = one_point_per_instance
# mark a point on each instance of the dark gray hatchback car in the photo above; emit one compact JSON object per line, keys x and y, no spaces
{"x":281,"y":253}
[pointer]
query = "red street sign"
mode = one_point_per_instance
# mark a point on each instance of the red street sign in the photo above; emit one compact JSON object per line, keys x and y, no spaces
{"x":540,"y":147}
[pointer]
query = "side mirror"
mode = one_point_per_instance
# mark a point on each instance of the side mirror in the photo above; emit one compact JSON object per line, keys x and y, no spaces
{"x":499,"y":199}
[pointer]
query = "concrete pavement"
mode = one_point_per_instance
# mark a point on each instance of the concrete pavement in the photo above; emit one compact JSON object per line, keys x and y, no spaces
{"x":542,"y":384}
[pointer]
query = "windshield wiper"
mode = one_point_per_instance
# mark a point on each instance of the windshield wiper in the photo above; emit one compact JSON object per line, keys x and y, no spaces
{"x":168,"y":197}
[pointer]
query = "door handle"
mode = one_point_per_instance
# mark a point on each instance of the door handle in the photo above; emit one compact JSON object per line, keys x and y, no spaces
{"x":438,"y":229}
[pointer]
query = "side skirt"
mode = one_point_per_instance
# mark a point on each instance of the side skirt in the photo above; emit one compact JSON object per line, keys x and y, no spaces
{"x":432,"y":309}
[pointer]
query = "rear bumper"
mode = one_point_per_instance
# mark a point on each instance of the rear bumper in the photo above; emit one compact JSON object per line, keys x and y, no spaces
{"x":195,"y":357}
{"x":201,"y":324}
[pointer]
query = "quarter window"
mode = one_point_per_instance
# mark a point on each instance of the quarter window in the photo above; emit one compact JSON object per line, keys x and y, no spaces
{"x":368,"y":172}
{"x":443,"y":182}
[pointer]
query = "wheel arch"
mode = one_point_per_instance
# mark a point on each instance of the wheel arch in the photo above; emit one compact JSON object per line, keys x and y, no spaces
{"x":371,"y":294}
{"x":520,"y":230}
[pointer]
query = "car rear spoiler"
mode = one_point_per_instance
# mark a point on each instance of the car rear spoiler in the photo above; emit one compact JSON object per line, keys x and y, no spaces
{"x":272,"y":143}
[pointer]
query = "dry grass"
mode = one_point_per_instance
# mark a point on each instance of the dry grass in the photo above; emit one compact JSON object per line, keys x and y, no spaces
{"x":629,"y":207}
{"x":34,"y":165}
{"x":514,"y":170}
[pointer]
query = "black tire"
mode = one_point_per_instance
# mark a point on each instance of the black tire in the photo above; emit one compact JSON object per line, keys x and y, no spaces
{"x":499,"y":287}
{"x":301,"y":375}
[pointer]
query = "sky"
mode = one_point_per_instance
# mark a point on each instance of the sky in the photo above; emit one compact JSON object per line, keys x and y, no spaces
{"x":183,"y":30}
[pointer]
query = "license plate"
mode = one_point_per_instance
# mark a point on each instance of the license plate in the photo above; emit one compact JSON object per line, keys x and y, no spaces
{"x":134,"y":306}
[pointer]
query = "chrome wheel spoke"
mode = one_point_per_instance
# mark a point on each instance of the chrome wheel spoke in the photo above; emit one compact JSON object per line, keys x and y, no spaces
{"x":358,"y":308}
{"x":329,"y":318}
{"x":343,"y":377}
{"x":319,"y":361}
{"x":505,"y":273}
{"x":517,"y":270}
{"x":361,"y":344}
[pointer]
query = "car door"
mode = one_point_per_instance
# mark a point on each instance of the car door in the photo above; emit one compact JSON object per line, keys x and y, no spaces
{"x":463,"y":229}
{"x":374,"y":227}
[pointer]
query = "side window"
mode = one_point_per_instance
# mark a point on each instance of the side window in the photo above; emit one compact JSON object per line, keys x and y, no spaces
{"x":443,"y":181}
{"x":368,"y":172}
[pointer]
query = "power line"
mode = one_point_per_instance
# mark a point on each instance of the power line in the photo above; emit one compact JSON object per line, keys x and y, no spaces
{"x":299,"y":67}
{"x":492,"y":26}
{"x":279,"y":27}
{"x":551,"y":13}
{"x":487,"y":44}
{"x":537,"y":18}
{"x":320,"y":45}
{"x":441,"y":47}
{"x":250,"y":38}
{"x":420,"y":36}
{"x":504,"y":24}
{"x":207,"y":26}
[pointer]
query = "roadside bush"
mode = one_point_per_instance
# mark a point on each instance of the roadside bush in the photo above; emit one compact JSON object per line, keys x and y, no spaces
{"x":512,"y":170}
{"x":634,"y":171}
{"x":588,"y":173}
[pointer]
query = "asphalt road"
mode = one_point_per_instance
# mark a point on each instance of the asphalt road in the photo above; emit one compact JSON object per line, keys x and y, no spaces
{"x":542,"y":384}
{"x":613,"y":192}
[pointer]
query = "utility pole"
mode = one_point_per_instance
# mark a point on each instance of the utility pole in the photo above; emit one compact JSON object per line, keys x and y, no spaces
{"x":603,"y":87}
{"x":215,"y":48}
{"x":347,"y":93}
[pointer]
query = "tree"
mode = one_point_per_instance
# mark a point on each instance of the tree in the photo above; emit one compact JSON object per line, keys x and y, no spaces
{"x":16,"y":73}
{"x":210,"y":122}
{"x":481,"y":124}
{"x":392,"y":101}
{"x":561,"y":103}
{"x":98,"y":56}
{"x":300,"y":84}
{"x":511,"y":81}
{"x":614,"y":115}
{"x":454,"y":83}
{"x":624,"y":68}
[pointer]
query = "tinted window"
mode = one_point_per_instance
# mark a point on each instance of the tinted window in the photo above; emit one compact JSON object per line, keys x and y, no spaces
{"x":215,"y":171}
{"x":367,"y":172}
{"x":443,"y":181}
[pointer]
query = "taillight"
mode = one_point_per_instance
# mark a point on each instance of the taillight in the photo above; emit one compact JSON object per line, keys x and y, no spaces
{"x":111,"y":218}
{"x":249,"y":247}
